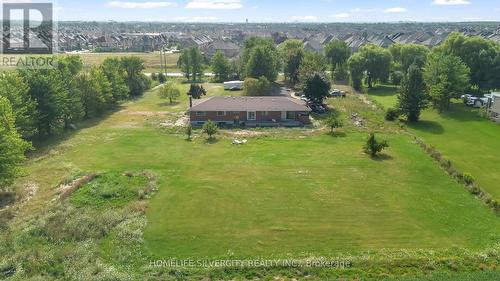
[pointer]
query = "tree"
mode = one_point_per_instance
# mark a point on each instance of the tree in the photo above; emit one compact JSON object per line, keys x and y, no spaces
{"x":185,"y":63}
{"x":333,"y":122}
{"x":53,"y":103}
{"x":250,"y":45}
{"x":406,"y":55}
{"x":91,"y":94}
{"x":196,"y":91}
{"x":257,"y":87}
{"x":377,"y":63}
{"x":210,"y":128}
{"x":196,"y":60}
{"x":189,"y":131}
{"x":317,"y":87}
{"x":262,"y":63}
{"x":13,"y":87}
{"x":12,"y":146}
{"x":356,"y":66}
{"x":292,"y":52}
{"x":191,"y":63}
{"x":312,"y":63}
{"x":169,"y":91}
{"x":137,"y":82}
{"x":446,"y":77}
{"x":374,"y":147}
{"x":338,"y":53}
{"x":116,"y":75}
{"x":220,"y":67}
{"x":412,"y":97}
{"x":477,"y":53}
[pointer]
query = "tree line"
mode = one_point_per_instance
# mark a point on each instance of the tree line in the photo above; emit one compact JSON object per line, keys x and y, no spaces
{"x":39,"y":103}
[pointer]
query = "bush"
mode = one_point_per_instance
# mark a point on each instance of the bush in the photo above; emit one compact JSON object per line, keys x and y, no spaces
{"x":392,"y":114}
{"x":467,"y":178}
{"x":257,"y":87}
{"x":373,"y":147}
{"x":154,"y":77}
{"x":210,"y":128}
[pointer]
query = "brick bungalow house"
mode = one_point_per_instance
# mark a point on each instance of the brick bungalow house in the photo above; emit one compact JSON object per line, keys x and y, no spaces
{"x":250,"y":111}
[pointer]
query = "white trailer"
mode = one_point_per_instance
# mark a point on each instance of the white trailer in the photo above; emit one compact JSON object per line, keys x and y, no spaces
{"x":233,"y":85}
{"x":494,"y":107}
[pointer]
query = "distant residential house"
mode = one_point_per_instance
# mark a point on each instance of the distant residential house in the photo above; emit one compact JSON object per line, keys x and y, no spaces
{"x":494,"y":107}
{"x":250,"y":111}
{"x":313,"y":45}
{"x":228,"y":48}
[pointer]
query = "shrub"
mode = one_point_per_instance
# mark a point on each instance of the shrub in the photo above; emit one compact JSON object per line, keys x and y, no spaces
{"x":392,"y":114}
{"x":154,"y":77}
{"x":373,"y":147}
{"x":162,"y":78}
{"x":189,"y":131}
{"x":467,"y":178}
{"x":257,"y":87}
{"x":210,"y":128}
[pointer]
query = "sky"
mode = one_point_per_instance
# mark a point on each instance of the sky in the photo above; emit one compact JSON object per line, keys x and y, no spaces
{"x":279,"y":10}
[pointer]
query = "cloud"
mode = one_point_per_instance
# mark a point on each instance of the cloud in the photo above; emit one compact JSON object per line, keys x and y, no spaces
{"x":396,"y":10}
{"x":140,"y":5}
{"x":305,"y":18}
{"x":451,"y":2}
{"x":215,"y":4}
{"x":341,"y":15}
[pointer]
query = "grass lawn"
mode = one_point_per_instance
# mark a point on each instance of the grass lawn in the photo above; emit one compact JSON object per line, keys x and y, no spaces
{"x":299,"y":195}
{"x":151,"y":60}
{"x":468,"y":140}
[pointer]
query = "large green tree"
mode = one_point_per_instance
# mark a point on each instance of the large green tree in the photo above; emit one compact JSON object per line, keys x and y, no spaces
{"x":377,"y":63}
{"x":111,"y":68}
{"x":220,"y":67}
{"x":405,"y":55}
{"x":270,"y":51}
{"x":338,"y":53}
{"x":13,"y":87}
{"x":136,"y":81}
{"x":317,"y":87}
{"x":262,"y":63}
{"x":412,"y":97}
{"x":312,"y":63}
{"x":292,"y":52}
{"x":12,"y":146}
{"x":478,"y":54}
{"x":356,"y":65}
{"x":446,"y":77}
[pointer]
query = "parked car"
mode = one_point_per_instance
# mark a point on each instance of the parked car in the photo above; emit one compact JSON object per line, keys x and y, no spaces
{"x":477,"y":102}
{"x":338,"y":94}
{"x":317,"y":108}
{"x":466,"y":98}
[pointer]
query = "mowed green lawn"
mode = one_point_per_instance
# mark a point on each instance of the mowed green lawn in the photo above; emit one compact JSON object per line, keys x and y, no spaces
{"x":470,"y":141}
{"x":303,"y":195}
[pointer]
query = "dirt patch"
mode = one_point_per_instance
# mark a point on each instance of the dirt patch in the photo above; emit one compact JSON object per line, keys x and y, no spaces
{"x":245,"y":133}
{"x":65,"y":190}
{"x":145,"y":113}
{"x":177,"y":120}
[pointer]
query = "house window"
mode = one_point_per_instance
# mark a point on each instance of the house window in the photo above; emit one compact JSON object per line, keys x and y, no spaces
{"x":266,"y":113}
{"x":251,"y":116}
{"x":201,"y":113}
{"x":290,"y":115}
{"x":221,"y":113}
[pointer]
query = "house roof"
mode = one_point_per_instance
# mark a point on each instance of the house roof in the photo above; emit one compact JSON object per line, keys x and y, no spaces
{"x":249,"y":104}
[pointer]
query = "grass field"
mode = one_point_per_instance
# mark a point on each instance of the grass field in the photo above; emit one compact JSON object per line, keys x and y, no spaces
{"x":288,"y":193}
{"x":470,"y":141}
{"x":151,"y":60}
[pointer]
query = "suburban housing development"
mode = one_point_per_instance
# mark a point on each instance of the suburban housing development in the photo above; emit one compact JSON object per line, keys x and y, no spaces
{"x":250,"y":140}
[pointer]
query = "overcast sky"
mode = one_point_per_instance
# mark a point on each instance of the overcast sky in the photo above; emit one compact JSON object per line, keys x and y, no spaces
{"x":280,"y":10}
